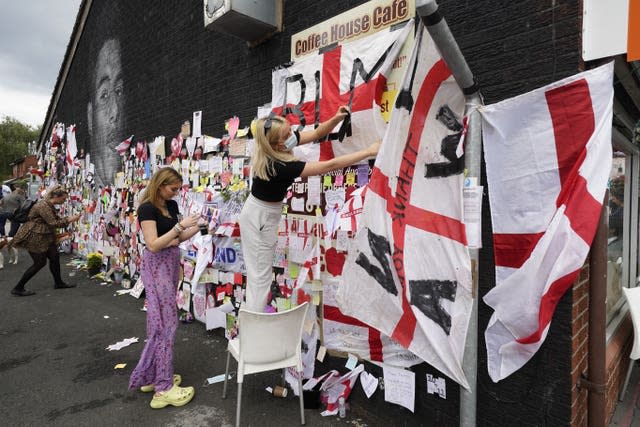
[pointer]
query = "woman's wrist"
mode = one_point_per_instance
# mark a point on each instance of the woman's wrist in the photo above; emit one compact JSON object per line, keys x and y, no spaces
{"x":178,"y":228}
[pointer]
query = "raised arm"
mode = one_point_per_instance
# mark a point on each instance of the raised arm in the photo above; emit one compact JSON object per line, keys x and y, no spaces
{"x":319,"y":168}
{"x":51,"y":217}
{"x":325,"y":127}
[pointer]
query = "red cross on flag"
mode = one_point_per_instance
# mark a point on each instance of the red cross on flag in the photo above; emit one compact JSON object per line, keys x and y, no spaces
{"x":548,"y":155}
{"x":311,"y":90}
{"x":408,"y":273}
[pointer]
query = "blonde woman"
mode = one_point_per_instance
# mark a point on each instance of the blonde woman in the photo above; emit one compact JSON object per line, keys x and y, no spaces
{"x":159,"y":220}
{"x":38,"y":237}
{"x":274,"y":170}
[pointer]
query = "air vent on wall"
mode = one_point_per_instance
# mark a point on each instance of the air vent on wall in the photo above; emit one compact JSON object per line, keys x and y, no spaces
{"x":250,"y":20}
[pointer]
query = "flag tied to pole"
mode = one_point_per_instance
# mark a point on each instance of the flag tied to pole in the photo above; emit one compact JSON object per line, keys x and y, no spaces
{"x":548,"y":156}
{"x":408,"y":273}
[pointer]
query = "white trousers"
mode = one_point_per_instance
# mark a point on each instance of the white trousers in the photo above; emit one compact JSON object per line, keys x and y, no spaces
{"x":258,"y":235}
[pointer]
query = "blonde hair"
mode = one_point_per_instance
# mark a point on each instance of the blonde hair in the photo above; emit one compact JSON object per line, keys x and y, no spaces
{"x":56,"y":191}
{"x":264,"y":155}
{"x":165,"y":176}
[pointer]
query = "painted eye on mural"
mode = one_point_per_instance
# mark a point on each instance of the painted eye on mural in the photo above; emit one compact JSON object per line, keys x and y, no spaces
{"x":118,"y":90}
{"x":212,"y":6}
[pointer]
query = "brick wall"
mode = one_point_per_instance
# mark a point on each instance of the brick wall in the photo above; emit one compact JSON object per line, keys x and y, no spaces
{"x":617,"y":362}
{"x":23,"y":166}
{"x":173,"y":66}
{"x":513,"y":47}
{"x":579,"y":346}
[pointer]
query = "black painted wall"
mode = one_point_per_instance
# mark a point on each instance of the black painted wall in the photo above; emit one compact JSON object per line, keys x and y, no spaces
{"x":172,"y":66}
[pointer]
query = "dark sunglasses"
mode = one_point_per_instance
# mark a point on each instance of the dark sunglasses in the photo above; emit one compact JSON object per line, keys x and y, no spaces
{"x":267,"y":125}
{"x":268,"y":122}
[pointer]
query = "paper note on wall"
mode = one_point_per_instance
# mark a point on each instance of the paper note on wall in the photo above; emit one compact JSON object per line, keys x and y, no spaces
{"x":399,"y":386}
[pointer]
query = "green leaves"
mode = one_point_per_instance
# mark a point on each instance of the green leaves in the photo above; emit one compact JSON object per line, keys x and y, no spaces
{"x":14,"y":138}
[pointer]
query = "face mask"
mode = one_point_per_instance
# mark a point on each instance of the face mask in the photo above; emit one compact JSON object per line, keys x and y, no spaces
{"x":291,"y":142}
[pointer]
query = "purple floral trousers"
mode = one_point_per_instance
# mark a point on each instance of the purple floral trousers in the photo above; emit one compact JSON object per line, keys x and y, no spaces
{"x":160,"y":275}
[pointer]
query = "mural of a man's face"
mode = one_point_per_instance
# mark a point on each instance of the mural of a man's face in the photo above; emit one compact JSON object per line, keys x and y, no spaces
{"x":105,"y":111}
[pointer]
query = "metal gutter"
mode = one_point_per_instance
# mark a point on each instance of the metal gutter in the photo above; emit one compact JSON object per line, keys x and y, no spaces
{"x":439,"y":31}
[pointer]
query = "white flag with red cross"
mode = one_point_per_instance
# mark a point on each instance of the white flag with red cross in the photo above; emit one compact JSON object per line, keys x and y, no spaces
{"x":311,"y":90}
{"x":548,"y":155}
{"x":408,"y":273}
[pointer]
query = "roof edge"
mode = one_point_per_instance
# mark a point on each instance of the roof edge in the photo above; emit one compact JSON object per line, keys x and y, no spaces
{"x":78,"y":29}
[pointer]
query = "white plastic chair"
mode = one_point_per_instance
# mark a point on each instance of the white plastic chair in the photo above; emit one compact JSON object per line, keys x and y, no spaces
{"x":633,"y":300}
{"x":267,"y":341}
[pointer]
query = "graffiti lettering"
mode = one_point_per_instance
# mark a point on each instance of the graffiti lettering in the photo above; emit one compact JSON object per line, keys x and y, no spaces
{"x":426,"y":296}
{"x":296,"y":108}
{"x":380,"y":249}
{"x":448,"y":146}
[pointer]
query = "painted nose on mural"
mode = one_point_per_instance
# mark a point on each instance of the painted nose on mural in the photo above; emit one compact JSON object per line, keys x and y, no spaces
{"x":114,"y":110}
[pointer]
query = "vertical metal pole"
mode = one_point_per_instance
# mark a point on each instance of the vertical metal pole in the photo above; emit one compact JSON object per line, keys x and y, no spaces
{"x":439,"y":31}
{"x":597,"y":398}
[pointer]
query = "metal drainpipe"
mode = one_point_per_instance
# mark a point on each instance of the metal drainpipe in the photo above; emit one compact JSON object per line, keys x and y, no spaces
{"x":597,"y":381}
{"x":439,"y":31}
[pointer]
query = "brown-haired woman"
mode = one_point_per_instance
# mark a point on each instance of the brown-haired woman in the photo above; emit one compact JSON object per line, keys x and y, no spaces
{"x":38,"y":237}
{"x":163,"y":232}
{"x":274,"y":170}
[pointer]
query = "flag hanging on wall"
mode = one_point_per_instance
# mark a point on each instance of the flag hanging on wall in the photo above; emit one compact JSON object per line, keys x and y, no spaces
{"x":408,"y":273}
{"x":311,"y":90}
{"x":72,"y":149}
{"x":548,"y":155}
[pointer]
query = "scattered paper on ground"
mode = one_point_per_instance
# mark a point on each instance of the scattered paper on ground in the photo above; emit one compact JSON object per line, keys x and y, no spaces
{"x":121,"y":344}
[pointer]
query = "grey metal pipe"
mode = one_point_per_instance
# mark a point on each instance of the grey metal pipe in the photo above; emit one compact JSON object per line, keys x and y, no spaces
{"x":441,"y":34}
{"x":439,"y":31}
{"x":473,"y":147}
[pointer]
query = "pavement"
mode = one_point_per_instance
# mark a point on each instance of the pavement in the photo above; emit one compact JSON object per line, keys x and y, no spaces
{"x":627,"y":412}
{"x":55,"y":369}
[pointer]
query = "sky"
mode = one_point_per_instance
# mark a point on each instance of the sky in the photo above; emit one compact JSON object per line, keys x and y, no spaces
{"x":33,"y":40}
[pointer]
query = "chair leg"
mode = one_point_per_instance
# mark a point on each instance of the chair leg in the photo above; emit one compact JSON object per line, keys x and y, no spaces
{"x":301,"y":398}
{"x":238,"y":405}
{"x":626,"y":381}
{"x":226,"y":375}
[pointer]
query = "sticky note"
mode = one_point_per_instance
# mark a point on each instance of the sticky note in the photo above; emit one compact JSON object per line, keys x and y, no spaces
{"x":352,"y":361}
{"x":322,"y":351}
{"x":363,"y":175}
{"x":283,"y":304}
{"x":120,"y":366}
{"x":308,"y":325}
{"x":351,"y":178}
{"x":316,"y":285}
{"x":326,"y":181}
{"x":294,"y":270}
{"x":339,"y":180}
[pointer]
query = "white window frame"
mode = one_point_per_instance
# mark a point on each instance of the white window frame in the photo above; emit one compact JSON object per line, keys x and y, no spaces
{"x":629,"y":244}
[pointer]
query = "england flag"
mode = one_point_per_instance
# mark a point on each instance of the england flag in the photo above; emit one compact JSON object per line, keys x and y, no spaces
{"x":548,"y":156}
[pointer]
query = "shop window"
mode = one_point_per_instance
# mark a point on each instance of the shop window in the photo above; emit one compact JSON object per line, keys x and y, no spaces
{"x":623,"y":238}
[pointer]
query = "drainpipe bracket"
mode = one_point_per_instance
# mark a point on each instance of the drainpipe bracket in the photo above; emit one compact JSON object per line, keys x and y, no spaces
{"x":599,"y":388}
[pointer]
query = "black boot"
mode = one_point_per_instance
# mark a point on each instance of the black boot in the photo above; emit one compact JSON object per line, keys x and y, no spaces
{"x":21,"y":292}
{"x":63,"y":285}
